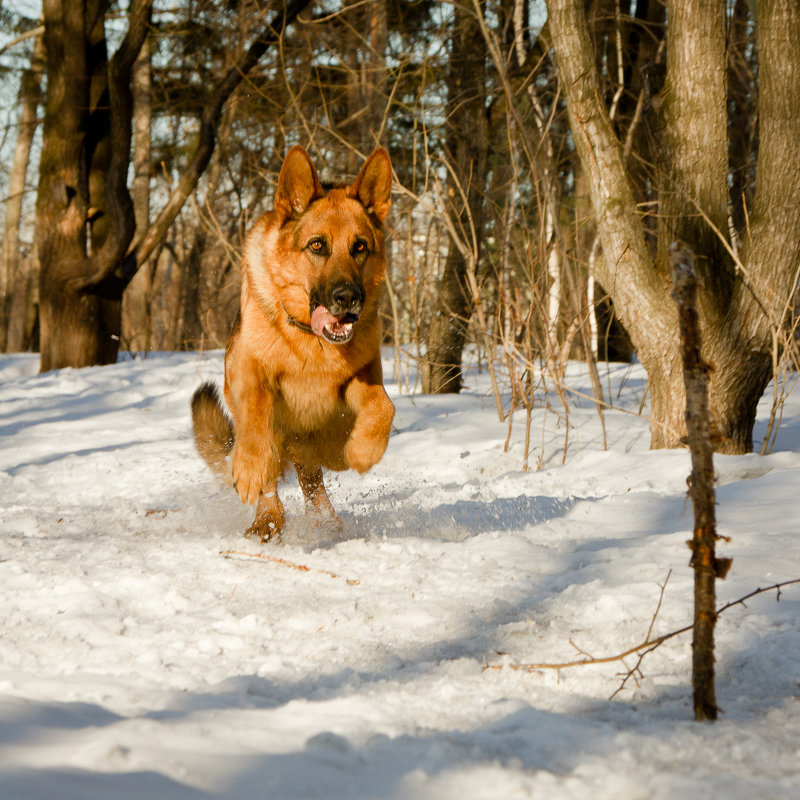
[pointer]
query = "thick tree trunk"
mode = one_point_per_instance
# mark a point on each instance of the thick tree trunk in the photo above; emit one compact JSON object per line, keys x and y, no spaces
{"x":757,"y":321}
{"x":69,"y":320}
{"x":467,"y":141}
{"x":74,"y":330}
{"x":626,"y":269}
{"x":736,"y":382}
{"x":766,"y":295}
{"x":692,"y":158}
{"x":742,"y":313}
{"x":82,"y":287}
{"x":742,"y":99}
{"x":84,"y":219}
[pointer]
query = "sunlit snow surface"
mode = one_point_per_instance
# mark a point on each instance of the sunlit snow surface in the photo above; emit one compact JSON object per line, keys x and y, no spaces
{"x":139,"y":659}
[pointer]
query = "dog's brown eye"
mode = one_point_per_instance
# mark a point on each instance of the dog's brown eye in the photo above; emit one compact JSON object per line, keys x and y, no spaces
{"x":359,"y":247}
{"x":316,"y":246}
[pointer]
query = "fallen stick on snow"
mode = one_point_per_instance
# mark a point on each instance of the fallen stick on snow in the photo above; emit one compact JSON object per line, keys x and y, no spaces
{"x":285,"y":563}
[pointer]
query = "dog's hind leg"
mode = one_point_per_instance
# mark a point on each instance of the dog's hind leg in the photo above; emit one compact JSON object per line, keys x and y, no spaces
{"x":269,"y":516}
{"x":313,"y":486}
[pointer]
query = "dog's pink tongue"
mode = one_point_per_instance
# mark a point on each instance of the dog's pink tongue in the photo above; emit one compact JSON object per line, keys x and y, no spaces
{"x":320,"y":318}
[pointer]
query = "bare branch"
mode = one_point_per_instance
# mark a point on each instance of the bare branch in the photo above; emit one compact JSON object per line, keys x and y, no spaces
{"x":647,"y":646}
{"x":21,"y":38}
{"x":142,"y":249}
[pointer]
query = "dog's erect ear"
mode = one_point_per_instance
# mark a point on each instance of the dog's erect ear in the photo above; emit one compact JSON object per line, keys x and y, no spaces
{"x":373,"y":185}
{"x":298,"y":183}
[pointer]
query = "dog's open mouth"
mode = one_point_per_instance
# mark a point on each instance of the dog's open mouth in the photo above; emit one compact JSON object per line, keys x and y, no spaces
{"x":328,"y":326}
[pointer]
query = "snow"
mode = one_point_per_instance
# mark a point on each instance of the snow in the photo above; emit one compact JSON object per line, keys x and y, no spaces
{"x":148,"y":649}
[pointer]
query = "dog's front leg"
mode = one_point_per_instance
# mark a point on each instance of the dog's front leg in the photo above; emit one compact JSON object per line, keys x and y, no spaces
{"x":374,"y":414}
{"x":269,"y":515}
{"x":256,"y":461}
{"x":256,"y":464}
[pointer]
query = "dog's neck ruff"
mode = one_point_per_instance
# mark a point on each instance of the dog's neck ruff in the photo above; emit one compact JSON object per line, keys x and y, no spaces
{"x":297,"y":324}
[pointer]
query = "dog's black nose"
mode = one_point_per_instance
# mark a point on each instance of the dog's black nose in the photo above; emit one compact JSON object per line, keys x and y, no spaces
{"x":346,"y":298}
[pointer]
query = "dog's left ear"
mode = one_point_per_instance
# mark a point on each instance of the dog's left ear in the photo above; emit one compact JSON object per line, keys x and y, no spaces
{"x":373,"y":186}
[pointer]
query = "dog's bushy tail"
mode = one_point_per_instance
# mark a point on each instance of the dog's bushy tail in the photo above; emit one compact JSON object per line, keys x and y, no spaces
{"x":213,"y":430}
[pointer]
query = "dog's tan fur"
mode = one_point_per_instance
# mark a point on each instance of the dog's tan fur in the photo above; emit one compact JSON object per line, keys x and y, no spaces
{"x":296,"y":397}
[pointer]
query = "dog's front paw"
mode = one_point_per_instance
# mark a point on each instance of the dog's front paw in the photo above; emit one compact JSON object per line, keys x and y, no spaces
{"x":363,"y":453}
{"x":249,"y":474}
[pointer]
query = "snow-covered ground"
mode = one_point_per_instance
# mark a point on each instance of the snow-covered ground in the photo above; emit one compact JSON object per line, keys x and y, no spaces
{"x":147,"y":651}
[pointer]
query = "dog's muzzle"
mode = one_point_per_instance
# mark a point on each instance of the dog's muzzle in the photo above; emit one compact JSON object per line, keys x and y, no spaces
{"x":335,"y":311}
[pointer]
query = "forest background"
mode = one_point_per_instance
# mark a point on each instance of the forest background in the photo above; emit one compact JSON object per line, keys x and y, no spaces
{"x":546,"y":156}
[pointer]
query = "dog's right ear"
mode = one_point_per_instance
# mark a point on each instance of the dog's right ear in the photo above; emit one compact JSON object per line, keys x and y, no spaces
{"x":298,"y":183}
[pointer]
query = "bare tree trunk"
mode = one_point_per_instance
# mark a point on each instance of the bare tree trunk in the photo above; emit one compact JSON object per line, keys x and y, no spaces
{"x":771,"y":251}
{"x":707,"y":568}
{"x":363,"y":51}
{"x":467,"y":142}
{"x":69,"y":321}
{"x":136,"y":300}
{"x":81,"y":290}
{"x":192,"y":289}
{"x":639,"y":295}
{"x":16,"y":271}
{"x":376,"y":73}
{"x":84,"y":159}
{"x":756,"y":321}
{"x":693,"y":152}
{"x":742,"y":313}
{"x":100,"y":143}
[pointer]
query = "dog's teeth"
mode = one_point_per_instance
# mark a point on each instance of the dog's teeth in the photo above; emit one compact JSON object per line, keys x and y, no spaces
{"x":339,"y":332}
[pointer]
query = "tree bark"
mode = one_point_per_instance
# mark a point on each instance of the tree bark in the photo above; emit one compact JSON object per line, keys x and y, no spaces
{"x":81,"y":288}
{"x":707,"y":568}
{"x":757,"y":320}
{"x":467,"y":145}
{"x":84,"y":160}
{"x":743,"y":313}
{"x":16,"y":271}
{"x":136,"y":299}
{"x":626,"y":270}
{"x":771,"y":253}
{"x":693,"y":154}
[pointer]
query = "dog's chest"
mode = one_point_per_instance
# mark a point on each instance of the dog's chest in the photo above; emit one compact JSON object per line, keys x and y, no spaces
{"x":310,"y":404}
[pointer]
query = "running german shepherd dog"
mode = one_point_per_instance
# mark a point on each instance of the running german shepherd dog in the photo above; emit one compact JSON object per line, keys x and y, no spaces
{"x":303,"y":377}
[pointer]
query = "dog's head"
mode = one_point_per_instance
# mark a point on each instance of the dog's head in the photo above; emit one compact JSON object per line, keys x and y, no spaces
{"x":332,"y":241}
